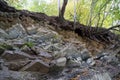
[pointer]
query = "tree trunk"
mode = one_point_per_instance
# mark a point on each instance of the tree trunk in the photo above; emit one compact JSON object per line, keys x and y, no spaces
{"x":62,"y":12}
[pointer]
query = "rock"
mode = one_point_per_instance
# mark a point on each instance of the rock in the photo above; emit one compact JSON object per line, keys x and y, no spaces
{"x":71,"y":51}
{"x":2,"y":24}
{"x":73,"y":63}
{"x":32,"y":30}
{"x":16,"y":31}
{"x":55,"y":70}
{"x":118,"y":56}
{"x":27,"y":50}
{"x":15,"y":75}
{"x":1,"y":50}
{"x":2,"y":40}
{"x":52,"y":48}
{"x":3,"y":34}
{"x":12,"y":55}
{"x":57,"y":66}
{"x":61,"y":62}
{"x":85,"y":54}
{"x":18,"y":44}
{"x":45,"y":54}
{"x":48,"y":37}
{"x":6,"y":46}
{"x":102,"y":76}
{"x":31,"y":38}
{"x":112,"y":70}
{"x":36,"y":66}
{"x":16,"y":65}
{"x":90,"y":61}
{"x":1,"y":64}
{"x":36,"y":50}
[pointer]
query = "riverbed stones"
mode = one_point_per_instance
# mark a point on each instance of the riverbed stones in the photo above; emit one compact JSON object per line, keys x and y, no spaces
{"x":17,"y":64}
{"x":102,"y":76}
{"x":54,"y":55}
{"x":14,"y":55}
{"x":36,"y":66}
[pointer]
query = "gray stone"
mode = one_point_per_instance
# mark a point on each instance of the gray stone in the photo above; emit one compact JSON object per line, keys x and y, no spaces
{"x":32,"y":30}
{"x":61,"y":62}
{"x":1,"y":50}
{"x":70,"y":51}
{"x":27,"y":50}
{"x":90,"y":61}
{"x":1,"y":64}
{"x":2,"y":40}
{"x":45,"y":54}
{"x":16,"y":31}
{"x":15,"y":75}
{"x":3,"y":34}
{"x":36,"y":66}
{"x":52,"y":48}
{"x":17,"y":65}
{"x":102,"y":76}
{"x":48,"y":37}
{"x":11,"y":55}
{"x":72,"y":62}
{"x":18,"y":43}
{"x":85,"y":54}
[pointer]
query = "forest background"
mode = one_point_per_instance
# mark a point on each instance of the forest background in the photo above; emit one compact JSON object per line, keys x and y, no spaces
{"x":98,"y":13}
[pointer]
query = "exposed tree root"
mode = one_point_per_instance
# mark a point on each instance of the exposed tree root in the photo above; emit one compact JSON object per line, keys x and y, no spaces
{"x":94,"y":33}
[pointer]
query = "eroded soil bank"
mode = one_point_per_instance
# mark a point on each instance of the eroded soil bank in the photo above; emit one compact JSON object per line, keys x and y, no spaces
{"x":36,"y":50}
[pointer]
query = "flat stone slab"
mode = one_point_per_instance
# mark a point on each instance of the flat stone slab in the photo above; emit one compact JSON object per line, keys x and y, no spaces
{"x":45,"y":54}
{"x":17,"y":65}
{"x":15,"y":75}
{"x":36,"y":66}
{"x":11,"y":55}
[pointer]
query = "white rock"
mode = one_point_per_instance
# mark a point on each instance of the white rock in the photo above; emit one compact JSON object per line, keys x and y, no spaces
{"x":90,"y":61}
{"x":61,"y":61}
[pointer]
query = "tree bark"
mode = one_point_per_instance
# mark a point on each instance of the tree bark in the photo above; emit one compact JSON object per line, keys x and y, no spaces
{"x":62,"y":12}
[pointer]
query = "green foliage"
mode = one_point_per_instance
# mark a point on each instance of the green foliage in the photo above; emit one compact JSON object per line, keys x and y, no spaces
{"x":19,"y":4}
{"x":29,"y":44}
{"x":5,"y":46}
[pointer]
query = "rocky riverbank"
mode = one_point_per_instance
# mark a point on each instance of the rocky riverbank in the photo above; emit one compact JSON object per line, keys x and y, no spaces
{"x":37,"y":51}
